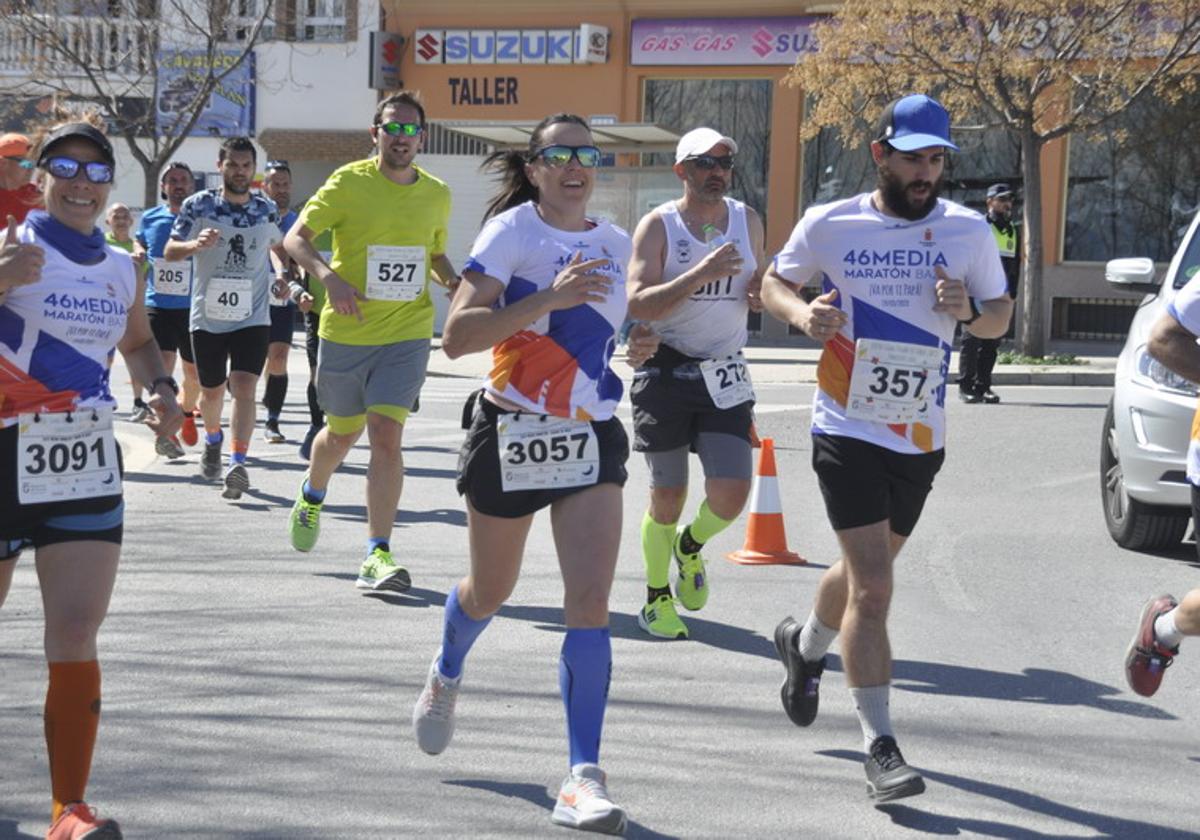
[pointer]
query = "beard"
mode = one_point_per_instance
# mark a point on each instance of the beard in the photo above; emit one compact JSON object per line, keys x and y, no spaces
{"x":234,"y":187}
{"x":896,"y":197}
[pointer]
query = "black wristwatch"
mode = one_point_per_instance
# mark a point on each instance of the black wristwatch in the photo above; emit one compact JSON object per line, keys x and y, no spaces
{"x":975,"y":313}
{"x":169,"y":381}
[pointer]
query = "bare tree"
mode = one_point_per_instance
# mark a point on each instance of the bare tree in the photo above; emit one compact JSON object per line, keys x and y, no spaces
{"x":1039,"y":69}
{"x":107,"y":53}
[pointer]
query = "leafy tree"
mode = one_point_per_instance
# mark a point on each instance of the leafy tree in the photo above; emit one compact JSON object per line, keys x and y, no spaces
{"x":1039,"y":69}
{"x":106,"y":53}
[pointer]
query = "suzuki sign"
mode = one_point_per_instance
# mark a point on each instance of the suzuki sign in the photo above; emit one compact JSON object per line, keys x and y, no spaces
{"x":587,"y":44}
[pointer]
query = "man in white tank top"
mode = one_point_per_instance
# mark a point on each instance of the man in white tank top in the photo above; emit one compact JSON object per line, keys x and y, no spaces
{"x":694,"y":277}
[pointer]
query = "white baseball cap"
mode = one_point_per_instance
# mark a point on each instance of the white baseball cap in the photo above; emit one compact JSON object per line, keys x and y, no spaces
{"x":700,"y":140}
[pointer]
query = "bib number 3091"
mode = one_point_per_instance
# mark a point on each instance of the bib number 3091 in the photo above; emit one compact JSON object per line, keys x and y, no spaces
{"x":538,"y":453}
{"x":67,"y":456}
{"x":893,"y":381}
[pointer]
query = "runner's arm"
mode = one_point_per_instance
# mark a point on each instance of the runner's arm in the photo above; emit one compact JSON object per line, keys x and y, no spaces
{"x":993,"y":320}
{"x":754,"y":287}
{"x":145,"y":363}
{"x":651,"y":299}
{"x":1174,"y":345}
{"x":781,"y":298}
{"x":443,"y":271}
{"x":297,"y":243}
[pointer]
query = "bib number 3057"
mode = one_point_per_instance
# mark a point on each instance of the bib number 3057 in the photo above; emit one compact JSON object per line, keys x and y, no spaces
{"x":67,"y":456}
{"x":538,"y":453}
{"x":893,"y":381}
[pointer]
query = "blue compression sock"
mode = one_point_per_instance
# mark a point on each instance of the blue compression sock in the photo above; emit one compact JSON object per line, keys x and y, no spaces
{"x":313,"y":497}
{"x":213,"y":437}
{"x":237,"y":457}
{"x":377,"y":542}
{"x":459,"y":632}
{"x":584,"y":672}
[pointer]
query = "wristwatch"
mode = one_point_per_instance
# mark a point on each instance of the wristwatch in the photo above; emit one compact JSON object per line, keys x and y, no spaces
{"x":169,"y":381}
{"x":975,"y":313}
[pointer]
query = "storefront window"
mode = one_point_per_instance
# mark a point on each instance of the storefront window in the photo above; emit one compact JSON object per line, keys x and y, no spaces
{"x":1134,"y":188}
{"x":740,"y":108}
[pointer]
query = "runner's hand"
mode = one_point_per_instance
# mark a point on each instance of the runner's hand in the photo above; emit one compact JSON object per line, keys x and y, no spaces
{"x":643,"y":343}
{"x":305,"y":302}
{"x":723,"y":262}
{"x":20,"y":263}
{"x":343,"y":297}
{"x":951,"y":296}
{"x":280,"y":288}
{"x":165,"y":415}
{"x":208,"y":238}
{"x":823,"y":319}
{"x":754,"y":294}
{"x":580,"y":282}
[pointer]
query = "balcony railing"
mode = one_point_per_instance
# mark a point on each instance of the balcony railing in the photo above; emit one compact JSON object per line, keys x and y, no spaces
{"x":37,"y":45}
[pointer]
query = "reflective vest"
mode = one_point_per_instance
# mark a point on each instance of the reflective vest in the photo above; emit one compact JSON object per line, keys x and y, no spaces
{"x":1006,"y":242}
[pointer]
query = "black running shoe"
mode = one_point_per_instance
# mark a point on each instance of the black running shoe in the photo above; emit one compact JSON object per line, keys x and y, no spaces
{"x":800,"y":688}
{"x":888,"y":777}
{"x":210,"y":461}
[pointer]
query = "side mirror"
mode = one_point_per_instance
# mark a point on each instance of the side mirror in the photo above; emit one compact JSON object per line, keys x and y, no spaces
{"x":1132,"y":274}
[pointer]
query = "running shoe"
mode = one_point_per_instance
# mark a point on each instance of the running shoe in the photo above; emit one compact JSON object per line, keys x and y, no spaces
{"x":307,"y":445}
{"x":1145,"y":658}
{"x":271,"y":433}
{"x":78,"y":821}
{"x":989,"y":396}
{"x":969,"y":397}
{"x":888,"y":776}
{"x":168,"y":447}
{"x":380,"y":573}
{"x":140,"y":412}
{"x":584,"y":803}
{"x":237,"y":482}
{"x":801,"y":687}
{"x":188,"y":431}
{"x":659,"y":618}
{"x":692,"y":586}
{"x":210,"y":461}
{"x":304,"y":525}
{"x":433,"y":714}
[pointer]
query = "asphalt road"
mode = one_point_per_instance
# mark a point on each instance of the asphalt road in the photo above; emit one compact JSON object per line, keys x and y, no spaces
{"x":251,"y":691}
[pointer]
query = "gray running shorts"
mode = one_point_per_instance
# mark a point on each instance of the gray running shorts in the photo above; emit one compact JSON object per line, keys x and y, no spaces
{"x":351,"y":379}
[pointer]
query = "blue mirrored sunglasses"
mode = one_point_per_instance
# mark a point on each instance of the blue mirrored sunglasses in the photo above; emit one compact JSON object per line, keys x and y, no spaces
{"x":98,"y":172}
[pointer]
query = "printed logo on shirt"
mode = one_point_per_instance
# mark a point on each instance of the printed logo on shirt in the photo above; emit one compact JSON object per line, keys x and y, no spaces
{"x":927,"y":241}
{"x":683,"y":253}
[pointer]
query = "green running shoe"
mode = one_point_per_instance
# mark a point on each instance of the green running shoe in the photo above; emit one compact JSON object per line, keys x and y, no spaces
{"x":659,"y":618}
{"x":692,"y":586}
{"x":380,"y":573}
{"x":304,"y":525}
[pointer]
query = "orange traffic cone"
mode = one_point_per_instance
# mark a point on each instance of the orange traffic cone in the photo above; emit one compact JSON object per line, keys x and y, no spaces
{"x":766,"y":542}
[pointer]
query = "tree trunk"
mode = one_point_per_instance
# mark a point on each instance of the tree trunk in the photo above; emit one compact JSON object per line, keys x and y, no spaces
{"x":150,"y":190}
{"x":1031,"y":338}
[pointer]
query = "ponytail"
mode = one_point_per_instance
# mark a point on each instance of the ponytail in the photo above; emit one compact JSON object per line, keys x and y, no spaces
{"x":509,"y":167}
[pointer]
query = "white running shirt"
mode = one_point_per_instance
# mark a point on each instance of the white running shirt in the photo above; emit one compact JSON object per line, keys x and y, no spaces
{"x":884,"y":270}
{"x":1185,"y":308}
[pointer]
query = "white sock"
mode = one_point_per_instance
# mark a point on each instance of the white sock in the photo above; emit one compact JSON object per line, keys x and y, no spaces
{"x":815,"y":638}
{"x":1165,"y":631}
{"x":871,"y":703}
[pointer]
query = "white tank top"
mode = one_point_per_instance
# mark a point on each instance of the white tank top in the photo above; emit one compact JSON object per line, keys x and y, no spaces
{"x":58,"y":335}
{"x":711,"y":324}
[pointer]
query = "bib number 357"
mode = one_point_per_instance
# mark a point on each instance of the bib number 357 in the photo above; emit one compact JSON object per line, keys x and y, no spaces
{"x":67,"y":456}
{"x":541,"y":452}
{"x":893,"y":381}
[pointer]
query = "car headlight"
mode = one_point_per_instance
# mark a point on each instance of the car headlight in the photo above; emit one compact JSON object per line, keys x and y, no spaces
{"x":1154,"y":374}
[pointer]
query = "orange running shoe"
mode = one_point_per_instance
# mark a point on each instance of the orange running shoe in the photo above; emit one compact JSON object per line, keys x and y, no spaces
{"x":188,"y":431}
{"x":78,"y":821}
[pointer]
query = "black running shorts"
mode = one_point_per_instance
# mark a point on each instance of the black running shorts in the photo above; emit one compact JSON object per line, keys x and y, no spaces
{"x":479,"y":476}
{"x":864,"y":483}
{"x":216,"y":354}
{"x":283,"y":323}
{"x":170,"y":328}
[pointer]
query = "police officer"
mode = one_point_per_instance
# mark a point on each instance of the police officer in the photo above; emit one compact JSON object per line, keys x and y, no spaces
{"x":978,"y":355}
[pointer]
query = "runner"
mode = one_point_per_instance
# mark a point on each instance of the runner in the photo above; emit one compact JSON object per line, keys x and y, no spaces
{"x":694,"y":276}
{"x":899,"y":267}
{"x":277,"y":185}
{"x":388,"y":218}
{"x":18,"y":195}
{"x":544,"y":289}
{"x":60,"y":473}
{"x":309,"y":295}
{"x":169,"y":290}
{"x":236,"y":235}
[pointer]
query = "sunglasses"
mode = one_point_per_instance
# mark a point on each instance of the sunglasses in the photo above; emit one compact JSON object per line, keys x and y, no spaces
{"x":710,"y":162}
{"x":67,"y":168}
{"x":24,"y":163}
{"x":396,"y":129}
{"x":560,"y":156}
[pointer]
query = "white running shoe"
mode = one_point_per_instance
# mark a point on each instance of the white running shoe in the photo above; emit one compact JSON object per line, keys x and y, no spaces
{"x":584,"y":803}
{"x":433,"y":715}
{"x":237,"y":482}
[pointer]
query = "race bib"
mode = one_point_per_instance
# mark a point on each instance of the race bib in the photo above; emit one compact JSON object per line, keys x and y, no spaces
{"x":229,"y":298}
{"x":395,"y":272}
{"x":728,"y":381}
{"x":539,"y":452}
{"x":892,"y":381}
{"x":173,"y":278}
{"x":67,"y":456}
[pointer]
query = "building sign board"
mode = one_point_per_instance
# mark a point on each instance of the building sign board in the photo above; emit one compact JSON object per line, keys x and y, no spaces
{"x":723,"y":41}
{"x":229,"y":111}
{"x":587,"y":43}
{"x":386,"y":51}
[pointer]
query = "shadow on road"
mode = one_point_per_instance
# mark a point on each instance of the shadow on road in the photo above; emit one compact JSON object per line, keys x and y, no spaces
{"x":537,"y":795}
{"x":1105,"y":825}
{"x":9,"y":831}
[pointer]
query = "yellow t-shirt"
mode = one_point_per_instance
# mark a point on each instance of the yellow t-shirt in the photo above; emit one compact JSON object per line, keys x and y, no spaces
{"x":363,"y":208}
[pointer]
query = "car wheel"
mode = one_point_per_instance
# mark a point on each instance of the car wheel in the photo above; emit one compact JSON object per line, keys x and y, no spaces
{"x":1133,"y":524}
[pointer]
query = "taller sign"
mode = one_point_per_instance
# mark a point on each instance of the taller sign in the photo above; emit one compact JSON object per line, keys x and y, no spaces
{"x":587,"y":44}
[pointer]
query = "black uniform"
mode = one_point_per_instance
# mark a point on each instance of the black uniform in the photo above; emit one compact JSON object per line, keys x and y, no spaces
{"x":978,"y":355}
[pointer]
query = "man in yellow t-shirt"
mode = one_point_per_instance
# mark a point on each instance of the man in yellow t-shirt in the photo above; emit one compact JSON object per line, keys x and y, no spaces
{"x":388,"y":218}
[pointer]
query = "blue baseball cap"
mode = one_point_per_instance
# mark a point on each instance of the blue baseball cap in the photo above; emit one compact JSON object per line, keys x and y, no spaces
{"x":914,"y":122}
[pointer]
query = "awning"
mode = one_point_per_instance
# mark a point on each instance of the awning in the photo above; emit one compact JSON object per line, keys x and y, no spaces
{"x":615,"y":137}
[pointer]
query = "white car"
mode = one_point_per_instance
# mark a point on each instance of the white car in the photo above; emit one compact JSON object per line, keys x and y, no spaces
{"x":1143,"y":450}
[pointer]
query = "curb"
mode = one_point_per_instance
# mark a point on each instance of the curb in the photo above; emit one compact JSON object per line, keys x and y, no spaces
{"x":1095,"y":378}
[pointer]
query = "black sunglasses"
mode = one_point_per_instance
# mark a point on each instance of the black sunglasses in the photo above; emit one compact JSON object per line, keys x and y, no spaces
{"x":395,"y":129}
{"x":710,"y":162}
{"x":559,"y":156}
{"x":98,"y":172}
